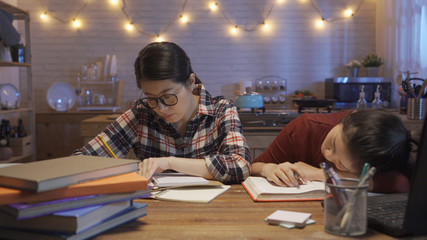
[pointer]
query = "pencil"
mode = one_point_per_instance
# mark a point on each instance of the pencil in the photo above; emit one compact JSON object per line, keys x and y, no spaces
{"x":105,"y":144}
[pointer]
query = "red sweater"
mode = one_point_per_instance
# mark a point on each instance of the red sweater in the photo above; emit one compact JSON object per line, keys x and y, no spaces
{"x":301,"y":139}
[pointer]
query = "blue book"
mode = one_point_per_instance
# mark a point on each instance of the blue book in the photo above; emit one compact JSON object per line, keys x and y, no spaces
{"x":134,"y":212}
{"x":24,"y":211}
{"x":71,"y":221}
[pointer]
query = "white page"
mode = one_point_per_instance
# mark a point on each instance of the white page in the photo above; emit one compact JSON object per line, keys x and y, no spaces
{"x":192,"y":194}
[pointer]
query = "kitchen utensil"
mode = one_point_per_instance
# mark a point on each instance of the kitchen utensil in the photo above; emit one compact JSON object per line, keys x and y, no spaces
{"x":423,"y":87}
{"x":249,"y":99}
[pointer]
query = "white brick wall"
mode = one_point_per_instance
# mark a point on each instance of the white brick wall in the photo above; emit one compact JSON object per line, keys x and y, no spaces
{"x":293,"y":49}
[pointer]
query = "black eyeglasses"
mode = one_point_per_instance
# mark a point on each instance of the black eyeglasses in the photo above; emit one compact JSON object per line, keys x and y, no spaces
{"x":166,"y":99}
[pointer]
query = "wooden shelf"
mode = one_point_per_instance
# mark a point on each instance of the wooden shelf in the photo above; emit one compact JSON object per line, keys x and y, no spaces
{"x":18,"y":110}
{"x":25,"y":81}
{"x":12,"y":9}
{"x":13,"y":64}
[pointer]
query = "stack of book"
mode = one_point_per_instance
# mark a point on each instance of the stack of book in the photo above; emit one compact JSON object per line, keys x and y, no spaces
{"x":75,"y":197}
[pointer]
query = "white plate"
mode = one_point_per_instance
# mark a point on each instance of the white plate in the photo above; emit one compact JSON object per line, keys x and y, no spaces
{"x":61,"y":96}
{"x":9,"y":96}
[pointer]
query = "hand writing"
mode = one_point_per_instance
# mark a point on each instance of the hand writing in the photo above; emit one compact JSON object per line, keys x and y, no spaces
{"x":283,"y":174}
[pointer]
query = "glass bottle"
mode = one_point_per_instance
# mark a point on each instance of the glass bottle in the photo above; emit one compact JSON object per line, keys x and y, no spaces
{"x":21,"y":132}
{"x":5,"y":131}
{"x":362,"y":103}
{"x":377,"y":103}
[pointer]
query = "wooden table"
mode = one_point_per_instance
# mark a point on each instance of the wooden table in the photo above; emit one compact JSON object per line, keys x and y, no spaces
{"x":233,"y":215}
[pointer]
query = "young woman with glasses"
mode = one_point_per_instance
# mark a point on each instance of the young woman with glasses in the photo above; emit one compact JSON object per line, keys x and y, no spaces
{"x":176,"y":124}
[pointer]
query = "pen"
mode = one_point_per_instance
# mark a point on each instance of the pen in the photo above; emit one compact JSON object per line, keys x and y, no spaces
{"x":348,"y":214}
{"x":365,"y":169}
{"x":298,"y":178}
{"x":105,"y":144}
{"x":330,"y":180}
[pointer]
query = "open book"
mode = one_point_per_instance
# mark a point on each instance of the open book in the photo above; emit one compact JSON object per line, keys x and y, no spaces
{"x":177,"y":180}
{"x":260,"y":189}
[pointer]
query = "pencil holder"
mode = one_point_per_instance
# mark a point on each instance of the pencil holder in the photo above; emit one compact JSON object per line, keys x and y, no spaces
{"x":345,"y":208}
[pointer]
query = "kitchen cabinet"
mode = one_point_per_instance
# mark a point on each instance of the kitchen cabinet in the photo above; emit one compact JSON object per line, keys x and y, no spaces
{"x":258,"y":141}
{"x":58,"y":133}
{"x":25,"y":110}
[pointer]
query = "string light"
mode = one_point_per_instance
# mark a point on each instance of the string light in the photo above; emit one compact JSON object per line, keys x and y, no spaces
{"x":320,"y":23}
{"x":266,"y":26}
{"x":76,"y":23}
{"x":234,"y":29}
{"x":43,"y":16}
{"x":159,"y":39}
{"x":213,"y":6}
{"x":348,"y":13}
{"x":114,"y":2}
{"x":184,"y":18}
{"x":129,"y":26}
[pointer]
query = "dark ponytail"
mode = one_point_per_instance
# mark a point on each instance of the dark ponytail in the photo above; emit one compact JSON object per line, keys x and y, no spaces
{"x":161,"y":61}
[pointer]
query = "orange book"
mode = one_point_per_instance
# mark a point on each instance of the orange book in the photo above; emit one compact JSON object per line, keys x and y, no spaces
{"x":128,"y":182}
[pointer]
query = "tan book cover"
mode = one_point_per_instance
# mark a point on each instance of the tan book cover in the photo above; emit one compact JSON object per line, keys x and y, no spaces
{"x":56,"y":173}
{"x":123,"y":183}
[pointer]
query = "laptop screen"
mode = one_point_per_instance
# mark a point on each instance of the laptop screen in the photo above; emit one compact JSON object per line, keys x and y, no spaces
{"x":416,"y":213}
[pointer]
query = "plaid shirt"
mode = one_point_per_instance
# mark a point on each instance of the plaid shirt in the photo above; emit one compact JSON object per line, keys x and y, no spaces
{"x":214,"y":134}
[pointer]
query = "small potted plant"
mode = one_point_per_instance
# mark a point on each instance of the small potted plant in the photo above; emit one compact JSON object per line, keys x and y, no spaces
{"x":371,"y":63}
{"x":353,"y":68}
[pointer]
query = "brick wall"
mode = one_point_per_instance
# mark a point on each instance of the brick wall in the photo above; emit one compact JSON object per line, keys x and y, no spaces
{"x":293,"y":48}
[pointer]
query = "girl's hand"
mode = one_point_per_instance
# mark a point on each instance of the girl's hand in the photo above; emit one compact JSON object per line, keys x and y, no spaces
{"x":284,"y":174}
{"x":150,"y":166}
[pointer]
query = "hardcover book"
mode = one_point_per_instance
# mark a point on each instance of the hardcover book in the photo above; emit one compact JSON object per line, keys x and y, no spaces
{"x":23,"y":211}
{"x":260,"y":189}
{"x":71,"y":221}
{"x":56,"y":173}
{"x":177,"y":179}
{"x":134,"y":212}
{"x":123,"y":183}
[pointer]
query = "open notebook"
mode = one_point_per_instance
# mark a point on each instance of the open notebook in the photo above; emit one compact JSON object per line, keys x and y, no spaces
{"x":260,"y":189}
{"x":404,"y":214}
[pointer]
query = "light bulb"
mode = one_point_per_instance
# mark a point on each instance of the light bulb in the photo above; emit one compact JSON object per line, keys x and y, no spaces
{"x":76,"y":23}
{"x":320,"y":23}
{"x":213,"y":6}
{"x":129,"y":26}
{"x":280,"y":1}
{"x":114,"y":2}
{"x":266,"y":26}
{"x":159,"y":39}
{"x":43,"y":16}
{"x":234,"y":29}
{"x":184,"y":18}
{"x":348,"y":13}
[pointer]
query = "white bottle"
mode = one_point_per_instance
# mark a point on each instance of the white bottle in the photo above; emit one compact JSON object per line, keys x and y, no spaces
{"x":377,"y":103}
{"x":361,"y":103}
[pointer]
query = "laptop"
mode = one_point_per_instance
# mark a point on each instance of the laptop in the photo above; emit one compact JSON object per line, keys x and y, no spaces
{"x":404,"y":214}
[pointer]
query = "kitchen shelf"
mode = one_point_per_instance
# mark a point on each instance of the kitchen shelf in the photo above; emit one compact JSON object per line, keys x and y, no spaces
{"x":22,"y":19}
{"x":13,"y":64}
{"x":18,"y":110}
